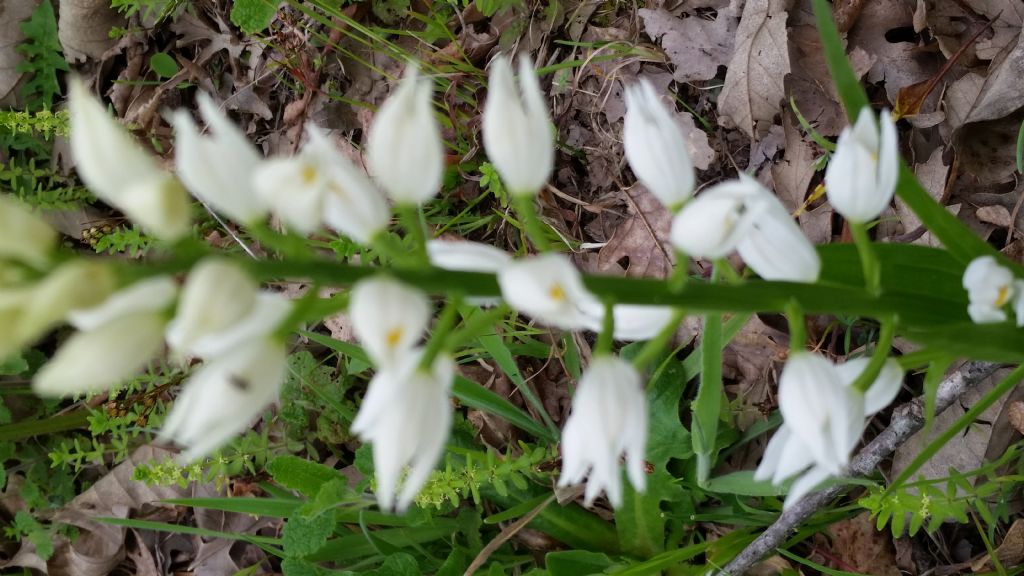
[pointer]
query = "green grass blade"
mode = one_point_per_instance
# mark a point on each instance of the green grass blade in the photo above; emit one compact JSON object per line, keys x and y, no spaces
{"x":178,"y":529}
{"x":850,"y":91}
{"x":707,"y":407}
{"x":476,"y":396}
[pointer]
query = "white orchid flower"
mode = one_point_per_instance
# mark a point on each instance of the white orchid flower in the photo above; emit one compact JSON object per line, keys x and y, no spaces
{"x":549,"y":289}
{"x":517,"y":128}
{"x":224,"y":396}
{"x":655,"y":146}
{"x":389,"y":318}
{"x":861,"y":176}
{"x":404,"y":149}
{"x":352,"y":204}
{"x":116,"y":340}
{"x":221,"y":307}
{"x":744,"y":216}
{"x":608,"y":421}
{"x":824,"y":418}
{"x":407,"y":415}
{"x":24,"y":236}
{"x":989,"y":288}
{"x":120,"y":173}
{"x":217,"y":168}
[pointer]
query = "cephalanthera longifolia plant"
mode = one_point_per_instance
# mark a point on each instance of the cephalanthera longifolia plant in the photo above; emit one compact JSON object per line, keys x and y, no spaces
{"x":193,"y":305}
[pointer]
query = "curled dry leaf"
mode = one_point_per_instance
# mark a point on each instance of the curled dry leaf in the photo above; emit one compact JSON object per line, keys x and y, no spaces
{"x":1010,"y":552}
{"x":1015,"y":415}
{"x":753,"y":88}
{"x":863,"y":548}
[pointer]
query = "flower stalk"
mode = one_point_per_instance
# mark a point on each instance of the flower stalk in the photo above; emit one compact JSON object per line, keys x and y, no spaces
{"x":868,"y":259}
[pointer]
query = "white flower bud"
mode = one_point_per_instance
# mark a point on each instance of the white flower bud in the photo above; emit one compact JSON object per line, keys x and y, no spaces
{"x":861,"y":176}
{"x":655,"y":147}
{"x":388,"y":317}
{"x":517,"y":128}
{"x":404,"y":148}
{"x":120,"y":173}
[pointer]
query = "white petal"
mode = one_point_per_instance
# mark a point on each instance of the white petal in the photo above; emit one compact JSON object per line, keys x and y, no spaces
{"x":294,"y":188}
{"x":404,"y":150}
{"x":23,"y":235}
{"x":777,"y":249}
{"x":655,"y":147}
{"x":548,"y":288}
{"x":74,"y":285}
{"x":217,"y":295}
{"x":266,"y":315}
{"x":1018,"y":301}
{"x":466,"y":256}
{"x":886,"y":386}
{"x":803,"y":485}
{"x":94,"y":360}
{"x":810,"y":397}
{"x":713,"y":224}
{"x":224,"y":396}
{"x":215,"y":168}
{"x":150,"y":295}
{"x":982,"y":313}
{"x":388,"y":317}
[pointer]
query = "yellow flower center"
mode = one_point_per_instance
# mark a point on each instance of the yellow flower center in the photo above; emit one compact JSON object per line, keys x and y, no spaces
{"x":308,"y":174}
{"x":1004,"y":295}
{"x":556,"y":292}
{"x":393,"y":336}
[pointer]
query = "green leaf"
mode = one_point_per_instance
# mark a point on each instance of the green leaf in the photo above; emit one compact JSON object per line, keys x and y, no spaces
{"x":302,"y":475}
{"x":399,"y":564}
{"x":13,"y":366}
{"x":476,"y":396}
{"x":163,"y":64}
{"x":707,"y":407}
{"x":303,"y":536}
{"x":178,"y":529}
{"x":271,"y":507}
{"x":253,"y":16}
{"x":571,"y":524}
{"x":355,"y":546}
{"x":576,"y":563}
{"x":742,"y":483}
{"x":42,"y":57}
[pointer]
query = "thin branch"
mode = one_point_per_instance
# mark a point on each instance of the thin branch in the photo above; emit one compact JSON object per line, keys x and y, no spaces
{"x":907,"y":419}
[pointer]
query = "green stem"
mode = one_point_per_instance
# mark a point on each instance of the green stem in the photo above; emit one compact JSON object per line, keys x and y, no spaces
{"x":881,"y":354}
{"x":530,"y":221}
{"x":607,"y":335}
{"x":868,"y":260}
{"x":442,"y":328}
{"x":707,"y":407}
{"x":680,"y":274}
{"x":653,"y":349}
{"x":409,"y":216}
{"x":797,"y":327}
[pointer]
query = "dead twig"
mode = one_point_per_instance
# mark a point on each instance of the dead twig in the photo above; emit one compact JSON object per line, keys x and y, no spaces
{"x":907,"y":419}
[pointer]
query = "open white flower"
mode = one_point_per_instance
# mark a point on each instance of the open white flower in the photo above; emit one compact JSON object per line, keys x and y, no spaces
{"x":220,"y":308}
{"x":217,"y":168}
{"x":517,"y":128}
{"x":824,"y":417}
{"x":743,"y":215}
{"x":116,"y":339}
{"x":352,"y":204}
{"x":224,"y":396}
{"x":24,"y":236}
{"x":608,"y":421}
{"x":388,"y":317}
{"x":550,"y":289}
{"x":295,"y":187}
{"x":404,"y":149}
{"x":861,"y":176}
{"x":407,"y":416}
{"x":655,"y":147}
{"x":120,"y":173}
{"x":989,"y":288}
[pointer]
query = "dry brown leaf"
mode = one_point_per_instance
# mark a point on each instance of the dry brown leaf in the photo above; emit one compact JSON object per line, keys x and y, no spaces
{"x":695,"y":46}
{"x":932,"y":175}
{"x":1015,"y":416}
{"x":974,"y":98}
{"x":861,"y":547}
{"x":896,"y":63}
{"x":12,"y":13}
{"x":987,"y":150}
{"x":792,"y":176}
{"x":1010,"y":552}
{"x":1008,"y":15}
{"x":753,"y":87}
{"x":84,"y":28}
{"x":641,"y":239}
{"x":996,"y":215}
